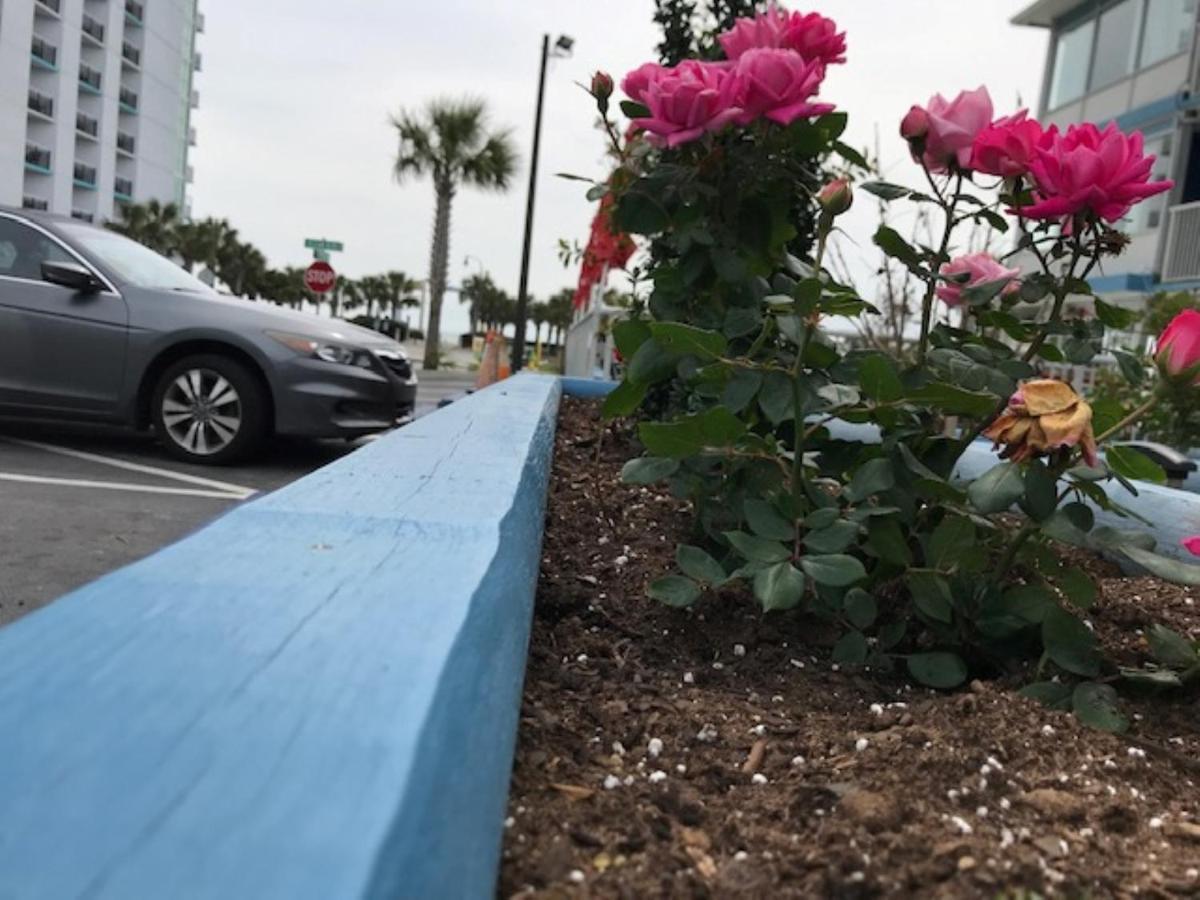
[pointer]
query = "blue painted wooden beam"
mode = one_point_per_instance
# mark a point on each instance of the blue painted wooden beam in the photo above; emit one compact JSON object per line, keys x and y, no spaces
{"x":314,"y":697}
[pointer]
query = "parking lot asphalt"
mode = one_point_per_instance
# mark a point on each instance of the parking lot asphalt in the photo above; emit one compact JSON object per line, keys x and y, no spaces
{"x":77,"y":502}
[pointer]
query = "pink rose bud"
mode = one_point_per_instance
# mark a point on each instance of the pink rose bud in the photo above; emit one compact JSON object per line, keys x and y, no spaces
{"x":915,"y":124}
{"x":836,"y":197}
{"x":1192,"y":544}
{"x":602,"y":85}
{"x":1178,"y":353}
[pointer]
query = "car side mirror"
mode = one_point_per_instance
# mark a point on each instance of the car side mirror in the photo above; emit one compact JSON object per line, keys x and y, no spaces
{"x":70,"y":275}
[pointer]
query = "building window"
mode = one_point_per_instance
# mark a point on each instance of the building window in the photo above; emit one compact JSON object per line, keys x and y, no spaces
{"x":1116,"y":44}
{"x":1148,"y":215}
{"x":1168,"y":30}
{"x":1071,"y":55}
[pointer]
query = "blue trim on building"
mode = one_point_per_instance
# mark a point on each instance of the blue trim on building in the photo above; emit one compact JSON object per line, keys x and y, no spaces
{"x":40,"y":170}
{"x":1130,"y":281}
{"x":315,"y":696}
{"x":43,"y":63}
{"x":1161,"y":112}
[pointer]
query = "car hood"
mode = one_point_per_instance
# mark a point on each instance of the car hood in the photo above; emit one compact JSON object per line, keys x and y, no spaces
{"x":267,"y":316}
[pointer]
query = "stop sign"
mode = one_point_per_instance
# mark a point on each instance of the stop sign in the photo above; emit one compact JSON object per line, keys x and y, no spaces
{"x":319,"y":277}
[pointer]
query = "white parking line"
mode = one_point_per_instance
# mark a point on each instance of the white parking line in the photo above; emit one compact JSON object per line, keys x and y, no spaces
{"x":120,"y":486}
{"x":234,"y":491}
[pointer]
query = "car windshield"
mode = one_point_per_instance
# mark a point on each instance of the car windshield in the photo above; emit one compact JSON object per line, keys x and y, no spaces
{"x":138,"y":265}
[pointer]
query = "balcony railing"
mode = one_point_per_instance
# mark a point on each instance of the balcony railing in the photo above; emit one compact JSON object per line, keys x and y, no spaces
{"x":125,"y":142}
{"x":85,"y":176}
{"x":41,"y":103}
{"x":135,"y":11}
{"x":89,"y":77}
{"x":83,"y":215}
{"x":44,"y":53}
{"x":55,"y":6}
{"x":128,"y":99}
{"x":92,"y":28}
{"x":28,"y":202}
{"x":123,"y":188}
{"x":131,"y":54}
{"x":38,"y":157}
{"x":86,"y":124}
{"x":1182,"y":259}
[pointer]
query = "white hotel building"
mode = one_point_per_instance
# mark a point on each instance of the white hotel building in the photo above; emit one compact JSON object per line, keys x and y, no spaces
{"x":95,"y":103}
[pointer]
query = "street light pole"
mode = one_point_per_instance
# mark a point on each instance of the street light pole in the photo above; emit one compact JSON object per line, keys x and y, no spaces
{"x":563,"y":44}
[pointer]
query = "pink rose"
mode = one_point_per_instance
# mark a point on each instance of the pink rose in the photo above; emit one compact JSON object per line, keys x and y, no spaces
{"x":953,"y":127}
{"x":775,"y":84}
{"x":915,"y":124}
{"x":1178,"y":351}
{"x":813,"y":36}
{"x":1192,"y":544}
{"x":982,"y":269}
{"x":1006,"y":147}
{"x":1087,"y":170}
{"x":635,"y":83}
{"x":685,"y":102}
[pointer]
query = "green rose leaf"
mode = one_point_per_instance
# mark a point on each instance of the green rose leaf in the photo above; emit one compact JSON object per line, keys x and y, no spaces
{"x":997,"y":489}
{"x":1134,"y":465}
{"x":860,"y":608}
{"x":1171,"y":569}
{"x":884,"y":190}
{"x":1131,"y":367}
{"x":779,"y":587}
{"x":953,"y":535}
{"x":1095,"y":705}
{"x":955,"y":400}
{"x":1070,"y":644}
{"x":1041,"y":491}
{"x":1029,"y":602}
{"x":872,"y":477}
{"x":648,"y":470}
{"x":1113,"y":316}
{"x":886,"y":538}
{"x":834,"y":570}
{"x":676,"y":440}
{"x":766,"y":522}
{"x":757,"y":549}
{"x":634,"y":110}
{"x":674,"y":590}
{"x":1051,"y":694}
{"x":1078,"y":587}
{"x":1171,"y":648}
{"x":821,"y":518}
{"x":1080,"y":515}
{"x":624,"y":400}
{"x":851,"y":649}
{"x":740,"y":390}
{"x":775,"y":398}
{"x":629,"y":335}
{"x":878,"y":379}
{"x":675,"y":337}
{"x":698,"y":564}
{"x":931,"y":595}
{"x":890,"y":242}
{"x":938,"y":670}
{"x":833,"y":539}
{"x":640,"y":211}
{"x":651,"y":363}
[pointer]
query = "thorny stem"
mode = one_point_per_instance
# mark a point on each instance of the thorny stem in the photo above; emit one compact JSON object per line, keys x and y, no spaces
{"x":931,"y":288}
{"x":1129,"y":419}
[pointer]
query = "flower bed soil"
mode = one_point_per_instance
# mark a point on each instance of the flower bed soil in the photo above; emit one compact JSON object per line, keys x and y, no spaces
{"x":780,"y":776}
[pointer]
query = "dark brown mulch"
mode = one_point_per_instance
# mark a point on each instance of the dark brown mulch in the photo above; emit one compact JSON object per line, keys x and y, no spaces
{"x":717,"y":753}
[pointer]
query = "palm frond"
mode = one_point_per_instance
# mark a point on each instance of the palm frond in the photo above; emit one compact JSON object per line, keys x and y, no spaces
{"x":493,"y":166}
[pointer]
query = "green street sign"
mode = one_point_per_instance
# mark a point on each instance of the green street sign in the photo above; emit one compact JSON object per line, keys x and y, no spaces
{"x":324,"y":245}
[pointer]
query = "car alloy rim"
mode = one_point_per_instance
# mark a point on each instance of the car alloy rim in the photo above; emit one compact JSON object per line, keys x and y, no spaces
{"x":202,"y":411}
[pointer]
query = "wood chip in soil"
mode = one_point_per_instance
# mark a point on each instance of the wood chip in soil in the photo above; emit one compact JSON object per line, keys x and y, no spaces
{"x":718,"y":753}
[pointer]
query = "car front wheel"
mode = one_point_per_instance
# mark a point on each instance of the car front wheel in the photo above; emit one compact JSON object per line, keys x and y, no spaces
{"x":209,"y":409}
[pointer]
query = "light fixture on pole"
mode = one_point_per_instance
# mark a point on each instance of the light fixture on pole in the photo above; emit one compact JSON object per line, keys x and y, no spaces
{"x":561,"y":49}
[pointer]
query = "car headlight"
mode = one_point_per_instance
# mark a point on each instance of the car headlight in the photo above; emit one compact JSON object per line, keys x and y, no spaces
{"x":324,"y":350}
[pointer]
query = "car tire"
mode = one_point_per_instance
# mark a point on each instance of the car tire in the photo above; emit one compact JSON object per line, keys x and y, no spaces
{"x":209,"y":409}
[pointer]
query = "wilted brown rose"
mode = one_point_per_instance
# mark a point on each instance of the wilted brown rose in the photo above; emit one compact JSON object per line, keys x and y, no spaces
{"x":1044,"y":415}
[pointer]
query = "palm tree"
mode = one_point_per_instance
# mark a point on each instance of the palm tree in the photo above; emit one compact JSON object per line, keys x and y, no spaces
{"x":400,"y":289}
{"x":561,"y":309}
{"x":239,"y":265}
{"x":539,"y":315}
{"x":199,"y":242}
{"x":450,"y":142}
{"x":150,"y":223}
{"x":475,"y":293}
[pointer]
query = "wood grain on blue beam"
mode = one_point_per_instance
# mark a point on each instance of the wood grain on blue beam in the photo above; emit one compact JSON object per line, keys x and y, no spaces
{"x":316,"y":696}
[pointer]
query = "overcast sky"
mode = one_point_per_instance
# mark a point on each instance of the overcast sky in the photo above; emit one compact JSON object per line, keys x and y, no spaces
{"x":294,"y":139}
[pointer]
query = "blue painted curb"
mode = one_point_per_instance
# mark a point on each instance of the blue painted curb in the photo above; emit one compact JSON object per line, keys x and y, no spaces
{"x":314,"y":697}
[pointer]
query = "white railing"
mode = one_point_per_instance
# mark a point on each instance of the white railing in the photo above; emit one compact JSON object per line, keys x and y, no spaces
{"x":1181,"y":262}
{"x":589,"y":350}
